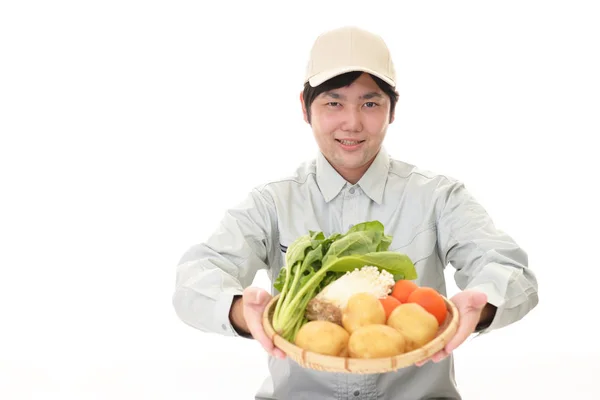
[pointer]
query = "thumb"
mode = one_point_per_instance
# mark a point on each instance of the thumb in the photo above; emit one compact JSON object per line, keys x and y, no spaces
{"x":478,"y":300}
{"x":254,"y":296}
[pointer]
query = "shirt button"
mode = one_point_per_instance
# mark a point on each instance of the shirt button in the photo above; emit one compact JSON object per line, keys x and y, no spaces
{"x":224,"y":327}
{"x":357,"y":393}
{"x":351,"y":190}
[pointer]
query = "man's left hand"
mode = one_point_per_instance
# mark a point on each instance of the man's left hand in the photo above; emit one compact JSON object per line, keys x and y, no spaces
{"x":470,"y":305}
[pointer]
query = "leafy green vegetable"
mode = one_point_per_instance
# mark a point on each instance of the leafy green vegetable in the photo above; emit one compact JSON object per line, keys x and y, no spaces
{"x":314,"y":261}
{"x":385,"y":242}
{"x":399,"y":265}
{"x":294,"y":258}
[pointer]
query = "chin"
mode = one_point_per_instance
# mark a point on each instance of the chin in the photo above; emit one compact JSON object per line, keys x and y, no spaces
{"x":352,"y":164}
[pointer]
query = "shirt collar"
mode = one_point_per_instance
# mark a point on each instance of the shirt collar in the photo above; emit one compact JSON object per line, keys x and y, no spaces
{"x":329,"y":180}
{"x":372,"y":182}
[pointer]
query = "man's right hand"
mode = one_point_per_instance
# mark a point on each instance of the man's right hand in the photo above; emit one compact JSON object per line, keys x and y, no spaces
{"x":246,"y":315}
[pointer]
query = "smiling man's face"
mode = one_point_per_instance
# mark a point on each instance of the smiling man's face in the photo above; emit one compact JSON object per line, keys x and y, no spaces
{"x":349,"y":125}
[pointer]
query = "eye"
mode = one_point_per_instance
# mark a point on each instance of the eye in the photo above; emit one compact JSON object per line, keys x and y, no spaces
{"x":333,"y":104}
{"x":371,"y":104}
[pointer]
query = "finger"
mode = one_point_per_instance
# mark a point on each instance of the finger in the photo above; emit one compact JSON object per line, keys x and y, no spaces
{"x":478,"y":300}
{"x":253,"y":299}
{"x":254,"y":305}
{"x":439,"y":356}
{"x":278,"y":353}
{"x":422,"y":362}
{"x":466,"y":326}
{"x":255,"y":328}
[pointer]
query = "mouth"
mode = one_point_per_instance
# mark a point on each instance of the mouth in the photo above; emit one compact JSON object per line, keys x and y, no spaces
{"x":346,"y":142}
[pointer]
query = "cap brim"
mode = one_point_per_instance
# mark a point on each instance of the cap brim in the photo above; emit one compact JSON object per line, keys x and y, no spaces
{"x":321,"y":77}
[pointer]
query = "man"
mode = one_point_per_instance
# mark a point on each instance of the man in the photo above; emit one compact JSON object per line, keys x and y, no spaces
{"x":349,"y":100}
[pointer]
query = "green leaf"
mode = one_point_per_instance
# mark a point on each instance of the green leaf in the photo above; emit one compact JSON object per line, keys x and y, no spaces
{"x":360,"y":242}
{"x":296,"y":250}
{"x":317,"y":236}
{"x":393,"y":262}
{"x":313,"y":256}
{"x":374,"y":226}
{"x":334,"y":237}
{"x":385,"y":243}
{"x":306,"y":275}
{"x":279,"y":282}
{"x":295,"y":254}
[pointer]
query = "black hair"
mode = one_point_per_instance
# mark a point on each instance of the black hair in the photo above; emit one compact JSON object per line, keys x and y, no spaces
{"x":311,"y":93}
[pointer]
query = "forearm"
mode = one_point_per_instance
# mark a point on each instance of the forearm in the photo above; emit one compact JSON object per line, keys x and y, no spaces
{"x":487,"y":316}
{"x":511,"y":292}
{"x":211,"y":275}
{"x":487,"y":259}
{"x":204,"y":294}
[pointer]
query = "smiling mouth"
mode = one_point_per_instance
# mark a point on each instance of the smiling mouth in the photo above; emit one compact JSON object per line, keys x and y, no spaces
{"x":349,"y":142}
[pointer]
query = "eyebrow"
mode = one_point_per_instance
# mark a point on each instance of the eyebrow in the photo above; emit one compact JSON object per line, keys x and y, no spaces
{"x":366,"y":96}
{"x":371,"y":95}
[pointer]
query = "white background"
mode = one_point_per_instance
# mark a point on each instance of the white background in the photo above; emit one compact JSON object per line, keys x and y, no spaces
{"x":127,"y":129}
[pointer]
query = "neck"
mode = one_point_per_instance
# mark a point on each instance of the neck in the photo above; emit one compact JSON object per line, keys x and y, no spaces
{"x":353,"y":175}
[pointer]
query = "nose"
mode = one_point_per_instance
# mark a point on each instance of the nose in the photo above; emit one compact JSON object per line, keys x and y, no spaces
{"x":352,"y":121}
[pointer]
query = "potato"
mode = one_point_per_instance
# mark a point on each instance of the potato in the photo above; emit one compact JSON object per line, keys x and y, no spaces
{"x":414,"y":322}
{"x":375,"y":341}
{"x":362,"y":309}
{"x":322,"y":337}
{"x":344,"y":352}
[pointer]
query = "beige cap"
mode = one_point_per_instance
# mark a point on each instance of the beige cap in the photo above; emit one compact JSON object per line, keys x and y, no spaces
{"x":349,"y":49}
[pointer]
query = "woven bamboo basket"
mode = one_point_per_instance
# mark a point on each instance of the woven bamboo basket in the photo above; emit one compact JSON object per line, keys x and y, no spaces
{"x":322,"y":362}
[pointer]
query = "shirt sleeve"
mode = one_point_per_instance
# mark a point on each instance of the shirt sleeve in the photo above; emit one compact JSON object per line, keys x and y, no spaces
{"x":485,"y":258}
{"x":211,"y":274}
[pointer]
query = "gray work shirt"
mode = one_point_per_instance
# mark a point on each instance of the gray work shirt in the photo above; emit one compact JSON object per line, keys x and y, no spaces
{"x":432,"y":218}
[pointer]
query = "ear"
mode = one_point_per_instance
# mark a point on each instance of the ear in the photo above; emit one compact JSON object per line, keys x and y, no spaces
{"x":304,"y":113}
{"x":392,"y":116}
